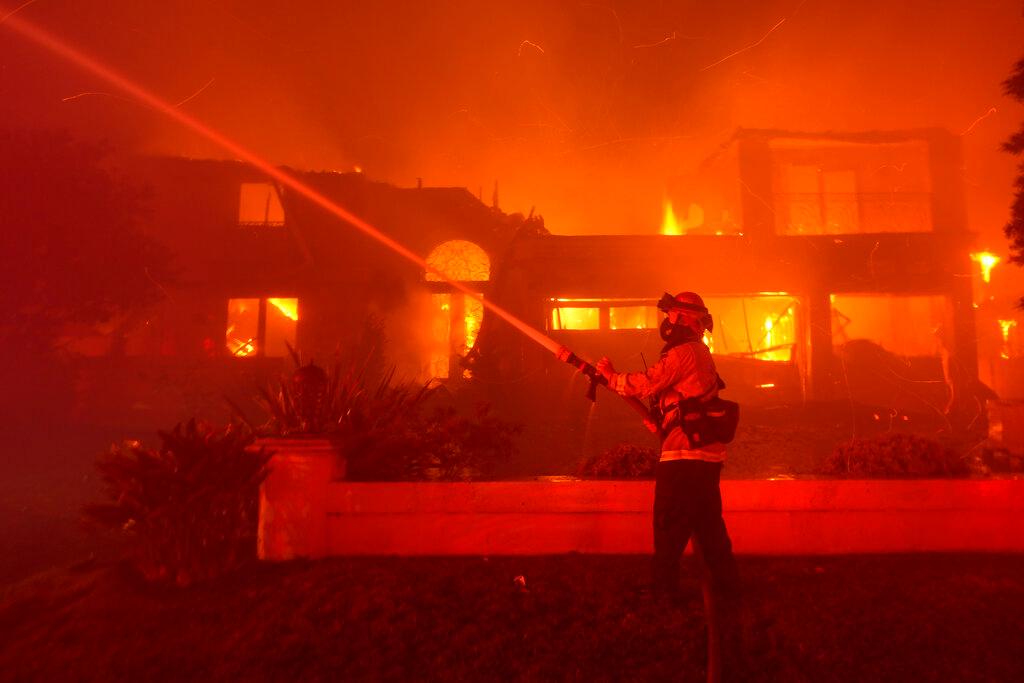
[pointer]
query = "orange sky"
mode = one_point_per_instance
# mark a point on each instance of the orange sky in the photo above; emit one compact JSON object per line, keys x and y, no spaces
{"x":592,"y":112}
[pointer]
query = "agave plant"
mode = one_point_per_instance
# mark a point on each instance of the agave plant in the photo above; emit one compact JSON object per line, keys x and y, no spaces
{"x":381,"y":427}
{"x":188,"y":509}
{"x":341,"y":404}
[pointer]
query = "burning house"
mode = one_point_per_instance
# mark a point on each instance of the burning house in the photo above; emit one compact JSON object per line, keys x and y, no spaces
{"x":836,"y":266}
{"x":818,"y":250}
{"x":259,"y":270}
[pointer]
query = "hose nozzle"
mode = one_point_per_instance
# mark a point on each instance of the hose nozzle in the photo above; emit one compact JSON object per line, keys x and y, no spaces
{"x":586,"y":368}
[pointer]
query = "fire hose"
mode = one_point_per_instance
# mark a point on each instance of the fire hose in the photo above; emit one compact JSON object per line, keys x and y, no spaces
{"x":710,"y":615}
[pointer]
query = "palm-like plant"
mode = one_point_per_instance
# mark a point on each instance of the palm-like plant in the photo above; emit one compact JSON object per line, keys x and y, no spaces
{"x":189,"y":509}
{"x":311,"y":402}
{"x":380,"y":427}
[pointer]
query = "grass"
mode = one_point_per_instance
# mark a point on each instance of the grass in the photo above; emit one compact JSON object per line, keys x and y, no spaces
{"x":856,"y":618}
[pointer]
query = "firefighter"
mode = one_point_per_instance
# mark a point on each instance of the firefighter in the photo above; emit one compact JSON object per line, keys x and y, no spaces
{"x":687,"y":499}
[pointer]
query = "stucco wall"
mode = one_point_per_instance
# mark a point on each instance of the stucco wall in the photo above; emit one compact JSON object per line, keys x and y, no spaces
{"x":541,"y":517}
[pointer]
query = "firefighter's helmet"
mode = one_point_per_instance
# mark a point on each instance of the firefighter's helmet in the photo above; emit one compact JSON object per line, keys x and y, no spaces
{"x":695,"y":313}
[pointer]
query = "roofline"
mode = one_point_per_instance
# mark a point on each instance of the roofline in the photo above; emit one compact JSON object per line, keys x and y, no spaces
{"x":875,"y":136}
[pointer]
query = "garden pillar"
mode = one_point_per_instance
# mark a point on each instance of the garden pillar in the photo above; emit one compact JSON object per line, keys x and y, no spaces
{"x":293,"y":498}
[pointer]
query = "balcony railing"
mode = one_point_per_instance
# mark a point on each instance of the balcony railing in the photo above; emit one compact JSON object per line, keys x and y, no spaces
{"x":852,"y":213}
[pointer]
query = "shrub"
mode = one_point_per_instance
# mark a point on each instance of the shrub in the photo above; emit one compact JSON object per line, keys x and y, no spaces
{"x":444,"y":445}
{"x":309,"y":402}
{"x":624,"y":461}
{"x":382,"y":429}
{"x":459,"y":447}
{"x":894,"y":455}
{"x":189,"y":509}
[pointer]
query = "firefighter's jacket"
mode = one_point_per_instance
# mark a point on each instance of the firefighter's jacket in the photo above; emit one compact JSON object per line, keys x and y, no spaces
{"x":686,"y":371}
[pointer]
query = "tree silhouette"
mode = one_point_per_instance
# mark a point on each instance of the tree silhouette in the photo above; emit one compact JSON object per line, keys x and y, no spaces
{"x":71,"y":248}
{"x":1014,"y":230}
{"x":72,"y":256}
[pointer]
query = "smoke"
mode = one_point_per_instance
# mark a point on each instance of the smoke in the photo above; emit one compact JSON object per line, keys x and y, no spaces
{"x":593,"y":113}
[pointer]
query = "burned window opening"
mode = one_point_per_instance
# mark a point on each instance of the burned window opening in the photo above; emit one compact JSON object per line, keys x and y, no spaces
{"x":459,"y":260}
{"x":905,"y":326}
{"x":851,"y":188}
{"x":259,"y":205}
{"x":261,"y":327}
{"x":456,"y":317}
{"x":762,"y":327}
{"x":602,"y":314}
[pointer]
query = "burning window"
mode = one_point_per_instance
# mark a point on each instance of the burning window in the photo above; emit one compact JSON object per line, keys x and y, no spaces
{"x":847,"y":188}
{"x":820,"y":201}
{"x":598,"y":314}
{"x":903,"y":325}
{"x":261,"y":326}
{"x":441,"y":334}
{"x":459,"y":260}
{"x":633,"y":317}
{"x":762,"y":326}
{"x":260,"y":205}
{"x":457,"y":317}
{"x":455,"y":325}
{"x":576,"y":318}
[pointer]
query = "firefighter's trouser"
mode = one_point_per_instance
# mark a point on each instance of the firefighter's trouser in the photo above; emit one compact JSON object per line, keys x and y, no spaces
{"x":687,"y":501}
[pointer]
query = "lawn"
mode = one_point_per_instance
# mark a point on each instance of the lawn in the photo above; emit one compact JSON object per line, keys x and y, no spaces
{"x":891,"y":618}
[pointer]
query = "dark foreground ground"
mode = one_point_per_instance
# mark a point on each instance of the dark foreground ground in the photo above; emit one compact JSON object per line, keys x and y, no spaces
{"x":867,"y":618}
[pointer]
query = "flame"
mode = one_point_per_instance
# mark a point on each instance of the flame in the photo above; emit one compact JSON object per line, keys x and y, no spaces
{"x":669,"y":224}
{"x":709,"y":341}
{"x":240,"y":334}
{"x":440,"y":335}
{"x":987,"y":261}
{"x":289,"y":307}
{"x":777,"y":333}
{"x":239,"y":347}
{"x":474,"y":315}
{"x":243,"y":348}
{"x":672,"y":225}
{"x":1005,"y":326}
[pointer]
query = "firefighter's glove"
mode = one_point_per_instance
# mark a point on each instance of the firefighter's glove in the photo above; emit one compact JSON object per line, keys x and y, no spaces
{"x":605,"y":369}
{"x":564,"y":353}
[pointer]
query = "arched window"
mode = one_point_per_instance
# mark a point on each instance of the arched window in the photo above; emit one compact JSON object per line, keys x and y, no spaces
{"x":457,"y":317}
{"x":459,"y":260}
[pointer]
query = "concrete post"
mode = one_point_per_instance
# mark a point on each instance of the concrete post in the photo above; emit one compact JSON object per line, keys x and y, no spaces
{"x":293,"y":498}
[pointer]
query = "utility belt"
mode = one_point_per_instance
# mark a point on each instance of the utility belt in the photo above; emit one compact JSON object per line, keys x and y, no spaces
{"x":704,"y":421}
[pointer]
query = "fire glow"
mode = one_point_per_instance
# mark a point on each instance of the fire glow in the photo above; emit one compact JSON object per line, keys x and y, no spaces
{"x":261,"y":327}
{"x":672,"y":225}
{"x":669,"y":223}
{"x":778,"y":335}
{"x":289,"y":307}
{"x":1005,"y":327}
{"x":986,"y":260}
{"x":125,"y":84}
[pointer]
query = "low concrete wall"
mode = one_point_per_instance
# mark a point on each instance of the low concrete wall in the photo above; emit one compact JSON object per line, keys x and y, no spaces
{"x":543,"y":517}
